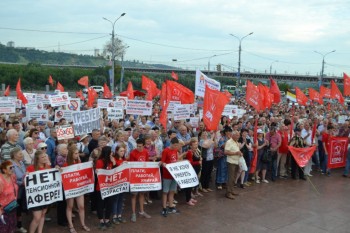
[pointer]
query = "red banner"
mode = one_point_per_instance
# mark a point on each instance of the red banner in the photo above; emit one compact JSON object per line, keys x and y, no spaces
{"x":144,"y":176}
{"x":337,"y":153}
{"x":302,"y":155}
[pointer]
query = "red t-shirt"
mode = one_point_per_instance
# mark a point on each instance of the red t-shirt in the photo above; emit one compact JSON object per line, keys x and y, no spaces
{"x":168,"y":156}
{"x":325,"y":139}
{"x":284,"y":142}
{"x":31,"y":168}
{"x":66,"y":164}
{"x":119,"y":162}
{"x":189,"y":157}
{"x":139,"y":156}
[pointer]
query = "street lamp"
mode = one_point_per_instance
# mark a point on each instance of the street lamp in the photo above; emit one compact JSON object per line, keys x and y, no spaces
{"x":113,"y":55}
{"x":122,"y":70}
{"x":209,"y":63}
{"x":322,"y":69}
{"x":239,"y":57}
{"x":271,"y":66}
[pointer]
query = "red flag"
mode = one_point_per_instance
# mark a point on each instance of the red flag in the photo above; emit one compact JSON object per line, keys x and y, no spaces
{"x":20,"y":93}
{"x":329,"y":106}
{"x":130,"y":91}
{"x":163,"y":118}
{"x":335,"y":93}
{"x":315,"y":96}
{"x":325,"y":92}
{"x":301,"y":97}
{"x":59,"y":87}
{"x":346,"y":85}
{"x":228,"y":94}
{"x":7,"y":91}
{"x":106,"y":92}
{"x":253,"y":96}
{"x":337,"y":150}
{"x":174,"y":75}
{"x":150,"y":86}
{"x":266,"y":100}
{"x":302,"y":155}
{"x":50,"y":80}
{"x":92,"y":94}
{"x":163,"y":96}
{"x":84,"y":81}
{"x":274,"y":89}
{"x":79,"y":94}
{"x":313,"y":133}
{"x":255,"y":149}
{"x":213,"y":106}
{"x":177,"y":92}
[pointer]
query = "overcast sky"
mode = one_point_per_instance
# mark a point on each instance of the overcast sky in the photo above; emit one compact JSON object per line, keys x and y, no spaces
{"x":192,"y":31}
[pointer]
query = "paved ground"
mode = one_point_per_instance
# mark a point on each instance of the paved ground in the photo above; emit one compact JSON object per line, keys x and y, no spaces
{"x":284,"y":206}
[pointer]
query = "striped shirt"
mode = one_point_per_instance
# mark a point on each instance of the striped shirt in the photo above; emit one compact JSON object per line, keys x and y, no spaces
{"x":6,"y":149}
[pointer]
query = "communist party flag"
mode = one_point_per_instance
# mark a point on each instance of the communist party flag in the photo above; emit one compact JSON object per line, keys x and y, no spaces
{"x":106,"y":92}
{"x":302,"y":155}
{"x":213,"y":106}
{"x":301,"y":97}
{"x":7,"y":91}
{"x":174,"y":75}
{"x":60,"y":87}
{"x":92,"y":94}
{"x":50,"y":80}
{"x":346,"y":85}
{"x":335,"y":93}
{"x":80,"y":95}
{"x":20,"y":93}
{"x":255,"y":149}
{"x":163,"y":117}
{"x":177,"y":92}
{"x":228,"y":94}
{"x":274,"y":89}
{"x":313,"y":133}
{"x":163,"y":95}
{"x":253,"y":96}
{"x":265,"y":94}
{"x":315,"y":96}
{"x":150,"y":86}
{"x":130,"y":91}
{"x":325,"y":92}
{"x":84,"y":81}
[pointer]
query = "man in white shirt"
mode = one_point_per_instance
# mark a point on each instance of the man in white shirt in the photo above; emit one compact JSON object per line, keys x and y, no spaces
{"x":306,"y":134}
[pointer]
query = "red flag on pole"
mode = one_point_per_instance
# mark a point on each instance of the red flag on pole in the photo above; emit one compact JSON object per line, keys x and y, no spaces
{"x":163,"y":118}
{"x":255,"y":149}
{"x":84,"y":81}
{"x":130,"y":91}
{"x":253,"y":96}
{"x":92,"y":94}
{"x":150,"y":86}
{"x":335,"y":93}
{"x":50,"y":80}
{"x":301,"y":97}
{"x":315,"y":96}
{"x":313,"y":133}
{"x":174,"y":75}
{"x":60,"y":87}
{"x":274,"y":89}
{"x":302,"y":155}
{"x":106,"y":92}
{"x":325,"y":92}
{"x":20,"y":93}
{"x":346,"y":85}
{"x":79,"y":94}
{"x":7,"y":91}
{"x":177,"y":92}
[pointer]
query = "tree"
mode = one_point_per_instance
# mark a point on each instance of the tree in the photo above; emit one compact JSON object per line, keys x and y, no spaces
{"x":119,"y":48}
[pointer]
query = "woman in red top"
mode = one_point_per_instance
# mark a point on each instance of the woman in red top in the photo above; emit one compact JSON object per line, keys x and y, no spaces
{"x":193,"y":155}
{"x":40,"y":163}
{"x":283,"y":151}
{"x":8,"y":193}
{"x":73,"y":158}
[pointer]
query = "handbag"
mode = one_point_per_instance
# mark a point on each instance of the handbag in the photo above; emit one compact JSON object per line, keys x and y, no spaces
{"x":266,"y":157}
{"x":13,"y":204}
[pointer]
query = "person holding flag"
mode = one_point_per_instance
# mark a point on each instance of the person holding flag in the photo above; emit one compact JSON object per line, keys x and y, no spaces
{"x":298,"y":142}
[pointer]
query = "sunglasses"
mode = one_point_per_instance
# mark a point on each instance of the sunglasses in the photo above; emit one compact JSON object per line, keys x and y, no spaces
{"x":43,"y":148}
{"x":11,"y":167}
{"x":35,"y":132}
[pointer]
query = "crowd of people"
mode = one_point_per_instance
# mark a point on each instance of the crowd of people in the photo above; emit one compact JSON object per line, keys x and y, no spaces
{"x":222,"y":159}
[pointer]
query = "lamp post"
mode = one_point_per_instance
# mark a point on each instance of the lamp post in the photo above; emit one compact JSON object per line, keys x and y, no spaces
{"x":209,"y":63}
{"x":322,"y":69}
{"x":239,"y":57}
{"x":271,"y":66}
{"x":122,"y":70}
{"x":113,"y":55}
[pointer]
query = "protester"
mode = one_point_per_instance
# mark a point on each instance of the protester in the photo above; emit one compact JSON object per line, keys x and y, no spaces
{"x":29,"y":151}
{"x":11,"y":143}
{"x":194,"y":156}
{"x":207,"y":144}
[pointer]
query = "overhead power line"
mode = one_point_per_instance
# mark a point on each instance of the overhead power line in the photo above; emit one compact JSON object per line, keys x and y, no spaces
{"x":50,"y":31}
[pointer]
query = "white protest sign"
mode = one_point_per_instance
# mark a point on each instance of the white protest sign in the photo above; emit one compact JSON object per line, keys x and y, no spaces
{"x":172,"y":105}
{"x":66,"y":114}
{"x":200,"y":114}
{"x":18,"y":104}
{"x":7,"y":107}
{"x":40,"y":115}
{"x":202,"y":80}
{"x":42,"y":98}
{"x":78,"y":179}
{"x":105,"y":103}
{"x":115,"y":113}
{"x":85,"y":121}
{"x":342,"y":118}
{"x":64,"y":132}
{"x":113,"y":181}
{"x":43,"y":187}
{"x":183,"y":173}
{"x":240,"y":112}
{"x":34,"y":106}
{"x":123,"y":100}
{"x":31,"y":97}
{"x":230,"y":110}
{"x":74,"y":104}
{"x":144,"y":176}
{"x":59,"y":99}
{"x":139,"y":107}
{"x":182,"y":111}
{"x":194,"y":121}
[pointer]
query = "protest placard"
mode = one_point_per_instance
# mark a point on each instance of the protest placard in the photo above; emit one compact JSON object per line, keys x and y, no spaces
{"x":182,"y":111}
{"x":113,"y":181}
{"x":64,"y":132}
{"x":43,"y":98}
{"x":230,"y":110}
{"x":7,"y":107}
{"x":139,"y":107}
{"x":78,"y":179}
{"x":172,"y":105}
{"x":105,"y":103}
{"x":202,"y":80}
{"x":241,"y":112}
{"x":40,"y":115}
{"x":338,"y":150}
{"x":34,"y":106}
{"x":85,"y":121}
{"x":144,"y":176}
{"x":43,"y":187}
{"x":31,"y":97}
{"x":66,"y":114}
{"x":123,"y":100}
{"x":115,"y":113}
{"x":74,"y":104}
{"x":60,"y":99}
{"x":194,"y":122}
{"x":183,"y":173}
{"x":342,"y":118}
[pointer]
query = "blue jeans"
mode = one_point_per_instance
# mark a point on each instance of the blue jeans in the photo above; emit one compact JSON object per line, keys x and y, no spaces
{"x":248,"y":165}
{"x":273,"y":166}
{"x":221,"y":171}
{"x":347,"y":166}
{"x":118,"y":204}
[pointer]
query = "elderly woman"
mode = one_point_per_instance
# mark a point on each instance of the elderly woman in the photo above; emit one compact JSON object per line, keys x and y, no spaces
{"x":29,"y":151}
{"x":8,"y":194}
{"x":207,"y":145}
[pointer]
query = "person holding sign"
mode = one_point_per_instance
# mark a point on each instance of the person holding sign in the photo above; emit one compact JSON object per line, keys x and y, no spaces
{"x":73,"y":158}
{"x":140,"y":154}
{"x":40,"y":163}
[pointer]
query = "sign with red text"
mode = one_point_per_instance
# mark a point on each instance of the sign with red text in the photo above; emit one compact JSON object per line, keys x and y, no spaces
{"x":43,"y":98}
{"x":40,"y":115}
{"x":59,"y":99}
{"x":144,"y":176}
{"x":337,"y":153}
{"x":78,"y":179}
{"x":183,"y":173}
{"x":139,"y":107}
{"x":123,"y":100}
{"x":182,"y":111}
{"x":74,"y":104}
{"x":64,"y":132}
{"x":114,"y":181}
{"x":7,"y":107}
{"x":66,"y":114}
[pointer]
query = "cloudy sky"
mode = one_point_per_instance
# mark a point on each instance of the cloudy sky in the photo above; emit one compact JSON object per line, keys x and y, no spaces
{"x":286,"y":32}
